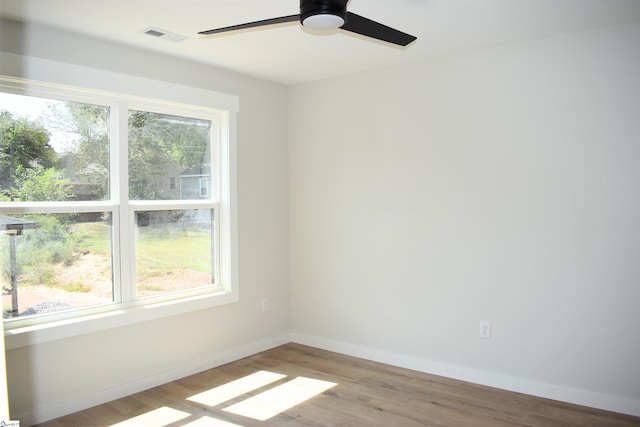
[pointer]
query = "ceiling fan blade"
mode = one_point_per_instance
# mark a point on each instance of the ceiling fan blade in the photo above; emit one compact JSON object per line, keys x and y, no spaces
{"x":264,"y":22}
{"x":366,"y":27}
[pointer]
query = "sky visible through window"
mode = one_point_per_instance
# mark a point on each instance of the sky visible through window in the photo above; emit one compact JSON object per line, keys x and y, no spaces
{"x":39,"y":110}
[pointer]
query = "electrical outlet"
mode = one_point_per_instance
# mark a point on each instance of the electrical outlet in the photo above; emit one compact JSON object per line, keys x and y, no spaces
{"x":265,"y":305}
{"x":485,"y":330}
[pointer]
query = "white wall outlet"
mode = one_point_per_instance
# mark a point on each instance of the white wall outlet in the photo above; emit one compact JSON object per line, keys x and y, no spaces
{"x":265,"y":305}
{"x":485,"y":330}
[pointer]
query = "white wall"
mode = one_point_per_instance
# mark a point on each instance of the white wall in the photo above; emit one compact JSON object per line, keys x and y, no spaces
{"x":54,"y":378}
{"x":501,"y":185}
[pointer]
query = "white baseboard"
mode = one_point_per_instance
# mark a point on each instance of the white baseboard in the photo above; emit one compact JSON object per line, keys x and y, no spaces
{"x":77,"y":403}
{"x":520,"y":385}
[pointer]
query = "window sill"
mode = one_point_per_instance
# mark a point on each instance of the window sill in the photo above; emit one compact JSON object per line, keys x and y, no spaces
{"x":38,"y":334}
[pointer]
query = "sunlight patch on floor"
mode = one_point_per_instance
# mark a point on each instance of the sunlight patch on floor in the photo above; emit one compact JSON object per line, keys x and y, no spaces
{"x":157,"y":418}
{"x":278,"y":399}
{"x":210,"y":422}
{"x":228,"y":391}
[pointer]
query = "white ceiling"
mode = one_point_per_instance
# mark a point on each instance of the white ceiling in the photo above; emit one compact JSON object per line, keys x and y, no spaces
{"x":289,"y":54}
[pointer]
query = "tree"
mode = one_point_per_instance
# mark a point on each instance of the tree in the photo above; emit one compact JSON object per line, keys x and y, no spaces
{"x":40,"y":185}
{"x":27,"y":173}
{"x":87,"y":158}
{"x":23,"y":144}
{"x":183,"y":140}
{"x":155,"y":139}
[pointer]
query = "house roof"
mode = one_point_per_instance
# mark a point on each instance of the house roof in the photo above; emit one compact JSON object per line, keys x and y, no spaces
{"x":197,"y":170}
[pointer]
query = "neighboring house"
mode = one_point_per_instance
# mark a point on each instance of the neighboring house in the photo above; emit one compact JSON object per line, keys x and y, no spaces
{"x":164,"y":182}
{"x":171,"y":182}
{"x":83,"y":191}
{"x":195,"y":182}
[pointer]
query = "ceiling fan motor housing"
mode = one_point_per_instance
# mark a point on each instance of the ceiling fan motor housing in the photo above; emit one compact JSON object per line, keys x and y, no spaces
{"x":329,"y":15}
{"x":309,"y":8}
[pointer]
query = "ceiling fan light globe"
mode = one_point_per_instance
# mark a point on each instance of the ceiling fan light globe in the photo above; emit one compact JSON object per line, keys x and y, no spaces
{"x":323,"y":21}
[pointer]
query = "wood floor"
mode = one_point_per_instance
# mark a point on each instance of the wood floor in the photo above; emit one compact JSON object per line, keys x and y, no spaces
{"x":352,"y":392}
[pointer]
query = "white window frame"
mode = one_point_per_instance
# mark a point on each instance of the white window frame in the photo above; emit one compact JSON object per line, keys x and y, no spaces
{"x":69,"y":82}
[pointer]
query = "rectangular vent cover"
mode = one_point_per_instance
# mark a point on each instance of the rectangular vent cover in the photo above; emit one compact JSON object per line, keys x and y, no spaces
{"x":163,"y":34}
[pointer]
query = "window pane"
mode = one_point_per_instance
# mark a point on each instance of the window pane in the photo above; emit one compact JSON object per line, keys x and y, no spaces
{"x":163,"y":146}
{"x":174,"y":250}
{"x":53,"y":150}
{"x":54,"y":262}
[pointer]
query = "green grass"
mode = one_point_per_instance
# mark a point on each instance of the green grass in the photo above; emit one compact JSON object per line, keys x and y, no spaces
{"x":95,"y":237}
{"x":150,"y":288}
{"x":157,"y":249}
{"x":73,"y":287}
{"x":155,"y":254}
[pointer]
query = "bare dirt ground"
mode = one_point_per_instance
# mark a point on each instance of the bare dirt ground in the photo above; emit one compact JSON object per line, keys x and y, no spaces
{"x":95,"y":271}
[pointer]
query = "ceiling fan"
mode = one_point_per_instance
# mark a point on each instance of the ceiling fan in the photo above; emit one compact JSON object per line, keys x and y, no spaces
{"x":327,"y":15}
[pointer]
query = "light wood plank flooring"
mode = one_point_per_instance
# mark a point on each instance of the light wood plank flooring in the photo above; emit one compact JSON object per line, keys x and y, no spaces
{"x":366,"y":394}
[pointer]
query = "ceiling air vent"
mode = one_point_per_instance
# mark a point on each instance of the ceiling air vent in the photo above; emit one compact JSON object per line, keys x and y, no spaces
{"x":163,"y":34}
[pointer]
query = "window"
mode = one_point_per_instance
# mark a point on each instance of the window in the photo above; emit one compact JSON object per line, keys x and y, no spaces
{"x":204,"y":185}
{"x":92,"y":218}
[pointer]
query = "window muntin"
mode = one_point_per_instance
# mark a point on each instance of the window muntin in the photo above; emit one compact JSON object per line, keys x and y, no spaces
{"x":190,"y":125}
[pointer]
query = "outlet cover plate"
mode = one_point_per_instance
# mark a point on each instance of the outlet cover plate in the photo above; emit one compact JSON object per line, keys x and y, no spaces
{"x":485,"y":330}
